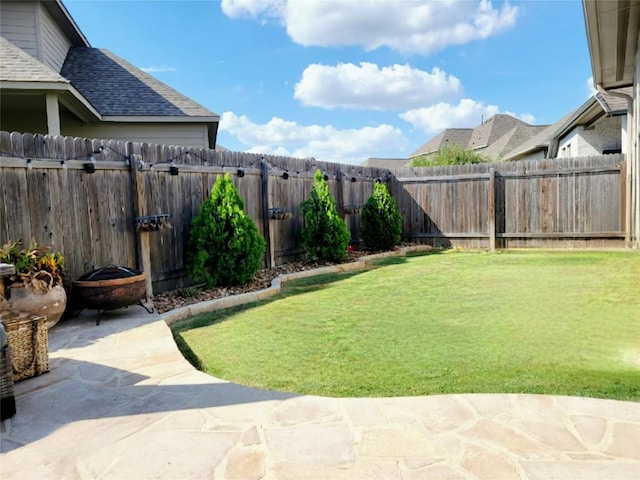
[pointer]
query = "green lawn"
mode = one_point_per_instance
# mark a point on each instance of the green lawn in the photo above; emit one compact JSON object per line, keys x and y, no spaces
{"x":564,"y":323}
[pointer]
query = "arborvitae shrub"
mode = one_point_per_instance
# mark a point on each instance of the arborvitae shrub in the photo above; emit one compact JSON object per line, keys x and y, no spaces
{"x":380,"y":223}
{"x":325,"y":235}
{"x":225,"y":247}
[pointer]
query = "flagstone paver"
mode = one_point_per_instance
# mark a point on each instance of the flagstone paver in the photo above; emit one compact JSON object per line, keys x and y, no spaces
{"x":120,"y":402}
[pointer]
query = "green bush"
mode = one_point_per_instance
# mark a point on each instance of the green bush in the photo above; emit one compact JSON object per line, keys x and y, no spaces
{"x":325,"y":235}
{"x":224,"y":245}
{"x":380,"y":223}
{"x":449,"y":155}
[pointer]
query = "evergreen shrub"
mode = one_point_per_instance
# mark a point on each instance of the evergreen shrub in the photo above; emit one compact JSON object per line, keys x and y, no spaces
{"x":449,"y":155}
{"x":325,"y":235}
{"x":380,"y":222}
{"x":224,"y":247}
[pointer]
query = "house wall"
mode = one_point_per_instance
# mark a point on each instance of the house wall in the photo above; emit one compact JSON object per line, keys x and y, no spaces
{"x":624,"y":129}
{"x":55,"y":44}
{"x":567,"y":145}
{"x":634,"y":155}
{"x":18,"y":24}
{"x":605,"y":134}
{"x":539,"y":155}
{"x":31,"y":27}
{"x":187,"y":134}
{"x":192,"y":135}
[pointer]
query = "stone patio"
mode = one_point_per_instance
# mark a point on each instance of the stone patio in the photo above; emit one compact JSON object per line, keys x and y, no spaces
{"x":121,"y":402}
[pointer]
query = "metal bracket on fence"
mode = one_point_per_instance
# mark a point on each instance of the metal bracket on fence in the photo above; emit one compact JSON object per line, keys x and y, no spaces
{"x":352,"y":209}
{"x":279,"y":214}
{"x":152,"y":223}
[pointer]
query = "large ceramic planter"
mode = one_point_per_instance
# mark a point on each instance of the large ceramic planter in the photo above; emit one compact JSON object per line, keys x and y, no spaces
{"x":50,"y":303}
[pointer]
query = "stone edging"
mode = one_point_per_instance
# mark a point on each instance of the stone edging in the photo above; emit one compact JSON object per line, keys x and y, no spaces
{"x":234,"y":300}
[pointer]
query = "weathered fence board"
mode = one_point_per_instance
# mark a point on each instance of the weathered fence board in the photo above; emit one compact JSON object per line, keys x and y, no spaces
{"x":49,"y":197}
{"x":91,"y":217}
{"x":528,"y":203}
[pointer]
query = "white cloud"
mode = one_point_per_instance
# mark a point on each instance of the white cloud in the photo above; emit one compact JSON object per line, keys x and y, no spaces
{"x":253,"y":8}
{"x":367,"y":86}
{"x":158,"y":68}
{"x":326,"y":143}
{"x":525,"y":117}
{"x":591,"y":90}
{"x":407,"y":26}
{"x":468,"y":113}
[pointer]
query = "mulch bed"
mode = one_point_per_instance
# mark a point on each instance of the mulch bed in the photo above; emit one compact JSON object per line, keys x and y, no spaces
{"x":173,"y":299}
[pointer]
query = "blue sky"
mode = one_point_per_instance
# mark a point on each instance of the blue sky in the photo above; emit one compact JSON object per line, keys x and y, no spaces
{"x":345,"y":80}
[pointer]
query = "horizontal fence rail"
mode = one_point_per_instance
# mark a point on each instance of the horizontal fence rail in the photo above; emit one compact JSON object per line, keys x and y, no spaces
{"x":577,"y":202}
{"x":50,"y":195}
{"x":106,"y":202}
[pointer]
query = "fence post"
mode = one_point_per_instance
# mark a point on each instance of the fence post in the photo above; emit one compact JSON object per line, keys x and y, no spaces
{"x":264,"y":175}
{"x":340,"y":195}
{"x":140,"y":206}
{"x":625,"y":218}
{"x":491,"y":194}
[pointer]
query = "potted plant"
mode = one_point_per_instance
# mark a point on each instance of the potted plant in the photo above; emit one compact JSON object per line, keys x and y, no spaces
{"x":36,"y":287}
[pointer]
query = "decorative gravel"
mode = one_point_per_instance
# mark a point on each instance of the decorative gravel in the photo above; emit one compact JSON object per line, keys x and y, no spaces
{"x":170,"y":300}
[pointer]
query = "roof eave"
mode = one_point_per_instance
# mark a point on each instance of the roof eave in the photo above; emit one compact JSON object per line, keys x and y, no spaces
{"x":612,"y":27}
{"x":419,"y":153}
{"x":572,"y":121}
{"x":511,"y":157}
{"x":161,"y":118}
{"x":70,"y":97}
{"x":30,"y":85}
{"x":590,"y":11}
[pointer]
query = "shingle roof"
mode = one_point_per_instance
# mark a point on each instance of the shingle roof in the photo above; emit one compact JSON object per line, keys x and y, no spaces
{"x":16,"y":65}
{"x":116,"y":88}
{"x":449,"y":136}
{"x":610,"y":104}
{"x":497,"y":135}
{"x":490,"y":131}
{"x":511,"y":140}
{"x":539,"y":140}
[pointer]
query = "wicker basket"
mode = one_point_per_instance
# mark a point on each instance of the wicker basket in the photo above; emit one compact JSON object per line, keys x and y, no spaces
{"x":7,"y":397}
{"x":29,"y":342}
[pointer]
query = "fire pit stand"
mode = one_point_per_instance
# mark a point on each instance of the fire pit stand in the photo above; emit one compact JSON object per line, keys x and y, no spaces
{"x":110,"y":288}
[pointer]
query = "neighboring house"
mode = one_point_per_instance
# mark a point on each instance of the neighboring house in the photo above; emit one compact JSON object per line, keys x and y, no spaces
{"x":597,"y":127}
{"x":613,"y":36}
{"x":389,"y":163}
{"x":450,"y":136}
{"x":494,"y":138}
{"x":52,"y":81}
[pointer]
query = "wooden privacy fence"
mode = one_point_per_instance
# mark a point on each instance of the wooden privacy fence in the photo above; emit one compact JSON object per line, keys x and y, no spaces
{"x":109,"y":202}
{"x":572,"y":202}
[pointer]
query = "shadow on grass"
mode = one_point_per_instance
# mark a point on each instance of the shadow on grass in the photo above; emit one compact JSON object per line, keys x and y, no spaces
{"x":492,"y":378}
{"x":295,"y":287}
{"x":289,"y":289}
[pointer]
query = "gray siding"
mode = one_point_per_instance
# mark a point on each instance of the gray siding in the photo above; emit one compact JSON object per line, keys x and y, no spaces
{"x":18,"y":24}
{"x":186,"y":134}
{"x":55,"y":43}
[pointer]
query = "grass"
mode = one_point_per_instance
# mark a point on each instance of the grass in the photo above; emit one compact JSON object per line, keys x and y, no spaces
{"x":564,"y":323}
